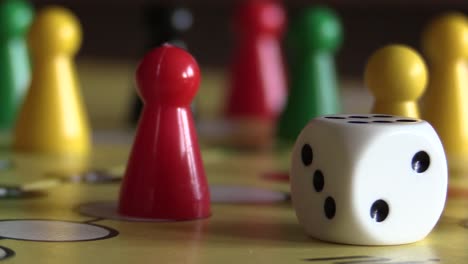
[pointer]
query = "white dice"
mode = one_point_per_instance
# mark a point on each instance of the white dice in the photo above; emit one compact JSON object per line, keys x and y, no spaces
{"x":368,"y":179}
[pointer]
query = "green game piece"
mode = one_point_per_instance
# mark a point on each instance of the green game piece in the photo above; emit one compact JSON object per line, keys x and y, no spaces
{"x":312,"y":40}
{"x":15,"y":18}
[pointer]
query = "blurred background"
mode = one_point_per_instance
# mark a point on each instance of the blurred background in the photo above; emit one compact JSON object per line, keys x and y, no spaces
{"x":117,"y":34}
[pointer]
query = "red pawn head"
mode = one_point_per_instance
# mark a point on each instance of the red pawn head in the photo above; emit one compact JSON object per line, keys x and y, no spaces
{"x":260,"y":17}
{"x":176,"y":83}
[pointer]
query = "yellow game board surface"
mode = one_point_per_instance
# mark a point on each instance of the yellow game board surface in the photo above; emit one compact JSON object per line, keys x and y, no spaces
{"x":74,"y":221}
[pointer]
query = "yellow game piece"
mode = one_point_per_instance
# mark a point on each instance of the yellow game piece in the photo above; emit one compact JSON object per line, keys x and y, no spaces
{"x":445,"y":106}
{"x":53,"y":119}
{"x":397,"y":77}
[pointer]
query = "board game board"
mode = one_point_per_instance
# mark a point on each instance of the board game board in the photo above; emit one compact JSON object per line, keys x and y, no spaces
{"x":59,"y":210}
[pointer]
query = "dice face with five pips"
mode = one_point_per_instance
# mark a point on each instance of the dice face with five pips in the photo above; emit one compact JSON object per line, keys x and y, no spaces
{"x":368,"y":179}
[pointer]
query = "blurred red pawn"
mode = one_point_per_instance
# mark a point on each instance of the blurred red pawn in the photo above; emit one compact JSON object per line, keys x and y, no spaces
{"x":258,"y":83}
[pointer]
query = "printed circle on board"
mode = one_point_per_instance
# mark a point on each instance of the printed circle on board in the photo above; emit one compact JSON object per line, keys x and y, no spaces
{"x":53,"y":230}
{"x":465,"y":224}
{"x":6,"y":253}
{"x":219,"y":194}
{"x":88,"y":177}
{"x":245,"y":195}
{"x":108,"y":210}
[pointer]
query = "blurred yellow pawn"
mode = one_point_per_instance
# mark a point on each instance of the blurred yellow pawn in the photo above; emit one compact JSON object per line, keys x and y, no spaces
{"x":52,"y":119}
{"x":445,"y":105}
{"x":397,"y":76}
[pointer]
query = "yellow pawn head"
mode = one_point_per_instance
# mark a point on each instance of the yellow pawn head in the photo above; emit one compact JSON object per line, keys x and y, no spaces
{"x":446,"y":37}
{"x":55,"y":30}
{"x":396,"y":73}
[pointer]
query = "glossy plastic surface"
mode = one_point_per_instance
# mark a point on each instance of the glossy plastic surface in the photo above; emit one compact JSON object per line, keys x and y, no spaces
{"x":313,"y":39}
{"x":445,"y":42}
{"x":258,"y":82}
{"x":53,"y":119}
{"x":165,"y":178}
{"x":15,"y":18}
{"x":397,"y":76}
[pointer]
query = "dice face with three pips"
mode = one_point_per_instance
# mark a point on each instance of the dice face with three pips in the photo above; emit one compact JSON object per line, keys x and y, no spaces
{"x":368,"y":179}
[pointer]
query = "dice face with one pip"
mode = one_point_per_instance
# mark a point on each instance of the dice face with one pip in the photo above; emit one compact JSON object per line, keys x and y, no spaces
{"x":368,"y":179}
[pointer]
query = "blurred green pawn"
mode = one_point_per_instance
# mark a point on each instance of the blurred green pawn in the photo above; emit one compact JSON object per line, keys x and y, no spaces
{"x":15,"y":19}
{"x":312,"y":41}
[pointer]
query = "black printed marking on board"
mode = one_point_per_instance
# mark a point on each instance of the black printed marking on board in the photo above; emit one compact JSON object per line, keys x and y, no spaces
{"x":112,"y":232}
{"x":16,"y":192}
{"x":91,"y":221}
{"x":337,"y":258}
{"x":95,"y":177}
{"x":365,"y":260}
{"x":370,"y":260}
{"x":8,"y":253}
{"x":387,"y":261}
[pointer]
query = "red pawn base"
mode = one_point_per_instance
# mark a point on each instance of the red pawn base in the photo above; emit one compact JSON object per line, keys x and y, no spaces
{"x":165,"y":177}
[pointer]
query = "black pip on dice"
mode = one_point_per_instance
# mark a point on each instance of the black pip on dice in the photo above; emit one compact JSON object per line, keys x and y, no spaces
{"x":368,"y":179}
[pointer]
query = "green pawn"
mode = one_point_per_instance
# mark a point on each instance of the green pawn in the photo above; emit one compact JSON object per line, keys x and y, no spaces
{"x":312,"y":40}
{"x":15,"y":18}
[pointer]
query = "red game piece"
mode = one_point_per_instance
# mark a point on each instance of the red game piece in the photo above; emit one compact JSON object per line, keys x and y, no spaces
{"x":165,"y":178}
{"x":258,"y":83}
